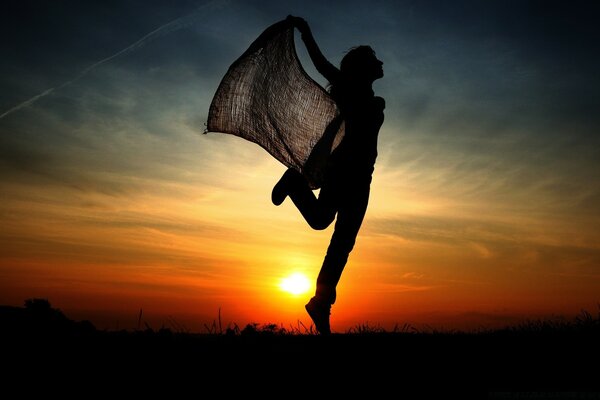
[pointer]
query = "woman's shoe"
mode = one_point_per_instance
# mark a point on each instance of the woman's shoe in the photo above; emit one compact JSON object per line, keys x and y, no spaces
{"x":319,"y":312}
{"x":280,"y":190}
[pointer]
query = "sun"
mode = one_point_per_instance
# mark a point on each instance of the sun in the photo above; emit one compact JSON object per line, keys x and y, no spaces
{"x":296,"y":283}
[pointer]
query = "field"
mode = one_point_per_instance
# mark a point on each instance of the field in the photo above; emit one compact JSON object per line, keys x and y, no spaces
{"x":551,"y":358}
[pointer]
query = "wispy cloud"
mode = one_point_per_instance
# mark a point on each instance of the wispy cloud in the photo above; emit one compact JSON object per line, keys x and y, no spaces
{"x":199,"y":15}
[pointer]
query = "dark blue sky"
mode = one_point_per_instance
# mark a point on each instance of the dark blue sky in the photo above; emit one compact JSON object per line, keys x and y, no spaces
{"x":465,"y":75}
{"x":504,"y":83}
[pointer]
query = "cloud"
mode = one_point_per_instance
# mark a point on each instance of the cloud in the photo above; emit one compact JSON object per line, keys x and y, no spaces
{"x":200,"y":14}
{"x":443,"y":229}
{"x":503,"y":244}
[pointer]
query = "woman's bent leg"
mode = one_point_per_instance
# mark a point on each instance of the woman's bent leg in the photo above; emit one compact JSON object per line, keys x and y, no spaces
{"x":319,"y":213}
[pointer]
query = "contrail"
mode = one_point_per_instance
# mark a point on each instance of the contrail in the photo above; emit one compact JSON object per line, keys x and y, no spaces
{"x":169,"y":27}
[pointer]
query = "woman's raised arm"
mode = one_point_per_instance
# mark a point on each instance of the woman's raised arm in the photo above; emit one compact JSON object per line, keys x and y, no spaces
{"x":325,"y":68}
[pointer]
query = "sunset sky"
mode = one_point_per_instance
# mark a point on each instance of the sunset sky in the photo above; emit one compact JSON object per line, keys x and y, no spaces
{"x":485,"y":202}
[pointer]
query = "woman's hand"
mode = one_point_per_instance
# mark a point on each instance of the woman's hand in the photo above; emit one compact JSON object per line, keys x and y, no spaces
{"x":299,"y":23}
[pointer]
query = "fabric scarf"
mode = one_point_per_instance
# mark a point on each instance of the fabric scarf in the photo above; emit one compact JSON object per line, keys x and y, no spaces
{"x":266,"y":97}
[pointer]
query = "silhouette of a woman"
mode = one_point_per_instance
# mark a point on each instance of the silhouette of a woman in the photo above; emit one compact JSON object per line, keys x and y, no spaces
{"x":346,"y":187}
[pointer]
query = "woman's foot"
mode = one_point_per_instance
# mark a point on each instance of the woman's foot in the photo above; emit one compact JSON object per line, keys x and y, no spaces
{"x":319,"y":312}
{"x":280,"y":190}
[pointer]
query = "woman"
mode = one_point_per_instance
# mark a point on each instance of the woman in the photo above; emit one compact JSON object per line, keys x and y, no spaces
{"x":345,"y":191}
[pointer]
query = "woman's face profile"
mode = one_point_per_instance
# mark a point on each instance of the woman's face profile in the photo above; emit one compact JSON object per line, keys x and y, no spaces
{"x":373,"y":67}
{"x":378,"y":68}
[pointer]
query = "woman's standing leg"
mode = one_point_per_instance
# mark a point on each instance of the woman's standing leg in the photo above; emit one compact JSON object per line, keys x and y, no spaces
{"x":349,"y":220}
{"x":350,"y":216}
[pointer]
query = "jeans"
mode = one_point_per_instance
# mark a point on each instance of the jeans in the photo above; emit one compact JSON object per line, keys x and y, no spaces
{"x":349,"y":201}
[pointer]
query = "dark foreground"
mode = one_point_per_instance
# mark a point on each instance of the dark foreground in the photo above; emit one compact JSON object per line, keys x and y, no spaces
{"x":43,"y":351}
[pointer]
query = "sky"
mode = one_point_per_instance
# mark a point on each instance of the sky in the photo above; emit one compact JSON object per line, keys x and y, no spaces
{"x":485,"y":201}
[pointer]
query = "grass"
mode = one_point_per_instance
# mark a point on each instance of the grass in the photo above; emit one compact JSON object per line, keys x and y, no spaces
{"x":556,"y":354}
{"x":584,"y":322}
{"x":38,"y":314}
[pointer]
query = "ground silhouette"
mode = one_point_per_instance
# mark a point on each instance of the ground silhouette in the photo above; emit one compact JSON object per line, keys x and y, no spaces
{"x":40,"y":344}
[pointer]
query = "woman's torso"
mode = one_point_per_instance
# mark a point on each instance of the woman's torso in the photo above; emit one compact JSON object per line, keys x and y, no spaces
{"x":354,"y":158}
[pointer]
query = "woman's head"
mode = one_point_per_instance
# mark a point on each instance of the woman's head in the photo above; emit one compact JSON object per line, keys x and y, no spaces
{"x":361,"y":64}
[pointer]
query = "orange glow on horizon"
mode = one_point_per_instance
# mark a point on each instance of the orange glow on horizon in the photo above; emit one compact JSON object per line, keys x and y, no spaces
{"x":187,"y":251}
